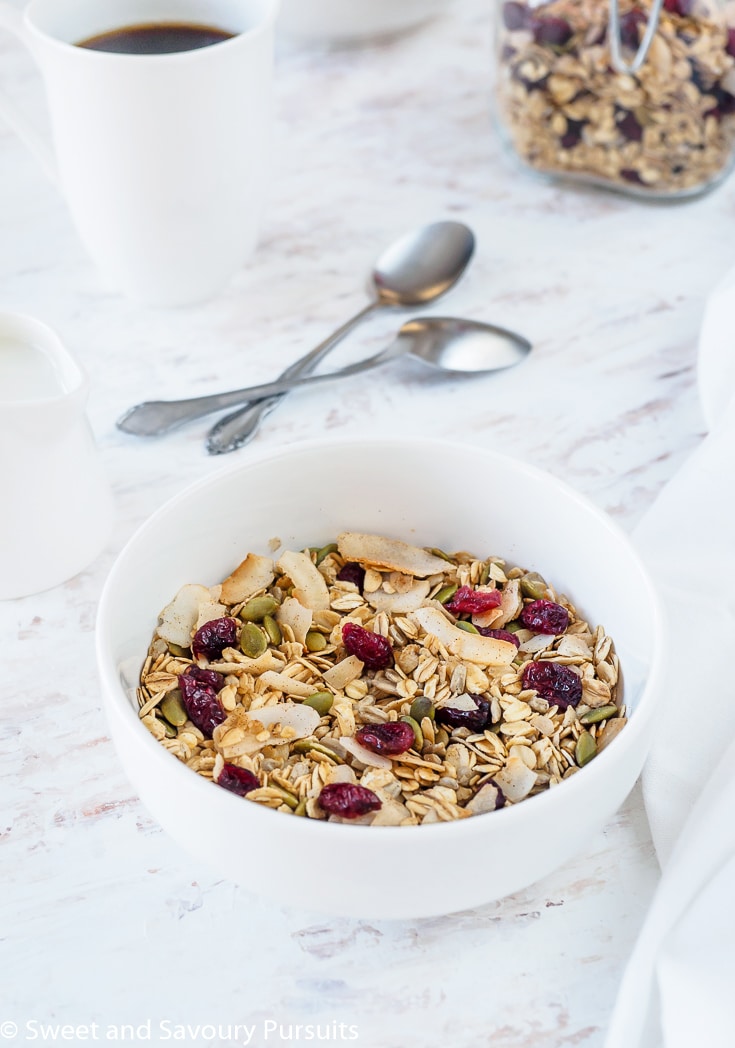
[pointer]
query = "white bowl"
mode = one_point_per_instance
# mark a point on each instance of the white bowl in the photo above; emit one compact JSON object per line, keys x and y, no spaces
{"x":430,"y":493}
{"x":346,"y":20}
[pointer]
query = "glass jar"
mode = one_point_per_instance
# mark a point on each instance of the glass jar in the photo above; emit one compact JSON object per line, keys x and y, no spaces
{"x":634,"y":95}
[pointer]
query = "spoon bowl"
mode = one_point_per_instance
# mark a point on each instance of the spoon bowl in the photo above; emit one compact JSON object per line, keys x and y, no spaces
{"x":422,"y":265}
{"x":463,"y":347}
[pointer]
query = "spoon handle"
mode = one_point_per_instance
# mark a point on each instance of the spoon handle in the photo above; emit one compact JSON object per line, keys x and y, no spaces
{"x":237,"y":428}
{"x":153,"y":418}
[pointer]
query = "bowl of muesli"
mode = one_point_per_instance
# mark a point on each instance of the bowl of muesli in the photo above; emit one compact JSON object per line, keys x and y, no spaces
{"x":408,"y":676}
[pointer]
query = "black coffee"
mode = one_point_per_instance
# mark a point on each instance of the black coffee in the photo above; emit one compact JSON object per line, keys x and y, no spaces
{"x":156,"y":38}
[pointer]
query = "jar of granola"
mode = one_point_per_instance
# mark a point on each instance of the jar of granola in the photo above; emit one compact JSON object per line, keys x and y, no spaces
{"x":634,"y":95}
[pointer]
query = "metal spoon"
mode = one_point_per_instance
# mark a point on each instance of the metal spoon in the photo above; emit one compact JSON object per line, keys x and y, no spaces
{"x":446,"y":344}
{"x":417,"y":269}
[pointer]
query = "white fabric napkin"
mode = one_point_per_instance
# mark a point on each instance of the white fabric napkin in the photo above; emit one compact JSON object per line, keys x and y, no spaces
{"x":679,"y":986}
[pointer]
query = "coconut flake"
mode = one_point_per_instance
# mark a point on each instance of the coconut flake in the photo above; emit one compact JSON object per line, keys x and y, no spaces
{"x":344,"y":672}
{"x":283,"y":683}
{"x":245,"y":733}
{"x":292,"y":613}
{"x":390,"y":554}
{"x":459,"y":702}
{"x":266,"y":661}
{"x":515,"y":779}
{"x":178,"y":619}
{"x":511,"y":603}
{"x":302,"y":720}
{"x":209,"y":611}
{"x":253,"y":574}
{"x":400,"y":603}
{"x":486,"y":799}
{"x":309,"y":586}
{"x":537,"y":643}
{"x":391,"y":813}
{"x":365,"y":756}
{"x":486,"y":651}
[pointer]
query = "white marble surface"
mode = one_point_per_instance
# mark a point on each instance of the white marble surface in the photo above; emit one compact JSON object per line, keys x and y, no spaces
{"x":104,"y":919}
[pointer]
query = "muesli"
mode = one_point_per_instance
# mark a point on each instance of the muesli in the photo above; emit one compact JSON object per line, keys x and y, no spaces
{"x":668,"y":129}
{"x":376,"y":682}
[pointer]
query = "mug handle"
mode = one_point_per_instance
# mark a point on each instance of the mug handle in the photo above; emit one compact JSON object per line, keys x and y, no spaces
{"x":12,"y":20}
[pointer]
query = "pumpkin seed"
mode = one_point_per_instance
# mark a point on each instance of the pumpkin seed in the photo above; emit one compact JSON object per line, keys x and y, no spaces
{"x":321,"y":701}
{"x":273,"y":630}
{"x":585,"y":749}
{"x":257,"y":608}
{"x":422,"y":707}
{"x":288,"y":798}
{"x":172,"y":708}
{"x":446,"y":593}
{"x":533,"y":585}
{"x":168,"y":729}
{"x":307,"y":745}
{"x":467,"y":626}
{"x":315,"y":641}
{"x":324,"y":552}
{"x":178,"y":651}
{"x":417,"y":733}
{"x":253,"y":641}
{"x":601,"y":714}
{"x":441,"y":554}
{"x":300,"y":808}
{"x":484,"y":575}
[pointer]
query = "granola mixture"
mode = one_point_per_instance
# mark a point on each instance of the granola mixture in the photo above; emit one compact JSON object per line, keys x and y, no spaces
{"x":667,"y":130}
{"x":381,"y":683}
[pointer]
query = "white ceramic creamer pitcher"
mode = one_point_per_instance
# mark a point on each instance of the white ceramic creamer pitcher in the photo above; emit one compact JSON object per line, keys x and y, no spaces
{"x":55,"y":503}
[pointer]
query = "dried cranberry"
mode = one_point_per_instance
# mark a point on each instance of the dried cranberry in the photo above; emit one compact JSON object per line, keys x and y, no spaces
{"x":476,"y":720}
{"x":505,"y":635}
{"x":352,"y":572}
{"x":389,"y":739}
{"x":372,"y":649}
{"x":630,"y":128}
{"x":679,"y":7}
{"x":514,"y":15}
{"x":573,"y":134}
{"x":467,"y":601}
{"x":238,"y":780}
{"x":556,"y":683}
{"x":544,"y":616}
{"x":213,"y":637}
{"x":212,"y":678}
{"x":199,"y":694}
{"x":348,"y":800}
{"x":629,"y":23}
{"x":701,"y":81}
{"x":554,"y":32}
{"x":731,"y":42}
{"x":724,"y":104}
{"x":631,"y":175}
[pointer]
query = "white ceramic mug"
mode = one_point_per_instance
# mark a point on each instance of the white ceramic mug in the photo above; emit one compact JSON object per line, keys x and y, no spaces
{"x":55,"y":503}
{"x":163,"y":159}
